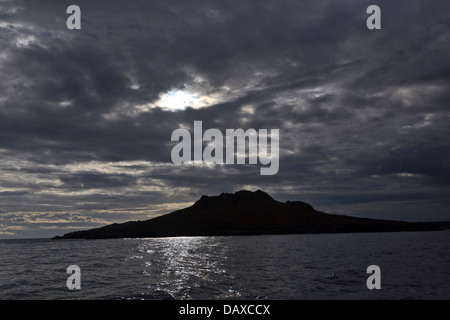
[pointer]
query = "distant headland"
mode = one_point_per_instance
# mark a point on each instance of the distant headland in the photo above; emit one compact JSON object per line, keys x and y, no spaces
{"x":248,"y":213}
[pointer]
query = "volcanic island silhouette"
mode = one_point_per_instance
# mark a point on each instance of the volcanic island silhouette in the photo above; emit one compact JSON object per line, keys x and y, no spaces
{"x":248,"y":213}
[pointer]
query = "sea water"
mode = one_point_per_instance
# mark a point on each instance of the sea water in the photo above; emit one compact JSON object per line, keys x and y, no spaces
{"x":413,"y":265}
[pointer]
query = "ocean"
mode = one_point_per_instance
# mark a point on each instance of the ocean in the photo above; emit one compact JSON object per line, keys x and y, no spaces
{"x":413,"y":265}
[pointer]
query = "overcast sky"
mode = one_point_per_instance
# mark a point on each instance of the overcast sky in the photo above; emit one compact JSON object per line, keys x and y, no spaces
{"x":86,"y":116}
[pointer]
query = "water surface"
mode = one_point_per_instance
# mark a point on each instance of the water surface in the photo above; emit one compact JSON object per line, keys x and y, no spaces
{"x":414,"y":265}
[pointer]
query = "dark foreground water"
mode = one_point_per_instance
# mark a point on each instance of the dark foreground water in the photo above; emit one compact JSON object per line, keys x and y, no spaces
{"x":414,"y":265}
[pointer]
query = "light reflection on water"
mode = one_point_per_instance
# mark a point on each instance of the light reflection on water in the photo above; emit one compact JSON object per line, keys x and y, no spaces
{"x":180,"y":265}
{"x":415,"y":265}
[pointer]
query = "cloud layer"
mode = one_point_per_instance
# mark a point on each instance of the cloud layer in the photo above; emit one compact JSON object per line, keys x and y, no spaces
{"x":86,"y":115}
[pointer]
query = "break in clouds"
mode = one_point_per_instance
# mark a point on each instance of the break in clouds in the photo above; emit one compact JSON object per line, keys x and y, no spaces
{"x":86,"y":116}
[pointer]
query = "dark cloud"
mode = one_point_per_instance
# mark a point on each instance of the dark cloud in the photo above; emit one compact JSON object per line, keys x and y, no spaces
{"x":84,"y":129}
{"x":12,"y":193}
{"x":96,"y":180}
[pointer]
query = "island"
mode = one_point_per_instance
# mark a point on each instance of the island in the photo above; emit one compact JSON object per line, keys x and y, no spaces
{"x":248,"y":213}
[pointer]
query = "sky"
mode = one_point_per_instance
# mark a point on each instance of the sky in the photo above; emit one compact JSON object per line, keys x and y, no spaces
{"x":86,"y":116}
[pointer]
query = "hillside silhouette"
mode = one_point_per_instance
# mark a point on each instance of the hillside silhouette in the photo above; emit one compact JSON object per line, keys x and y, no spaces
{"x":247,"y":213}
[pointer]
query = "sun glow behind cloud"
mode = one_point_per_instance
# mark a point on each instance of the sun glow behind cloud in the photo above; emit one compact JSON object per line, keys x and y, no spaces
{"x":178,"y":100}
